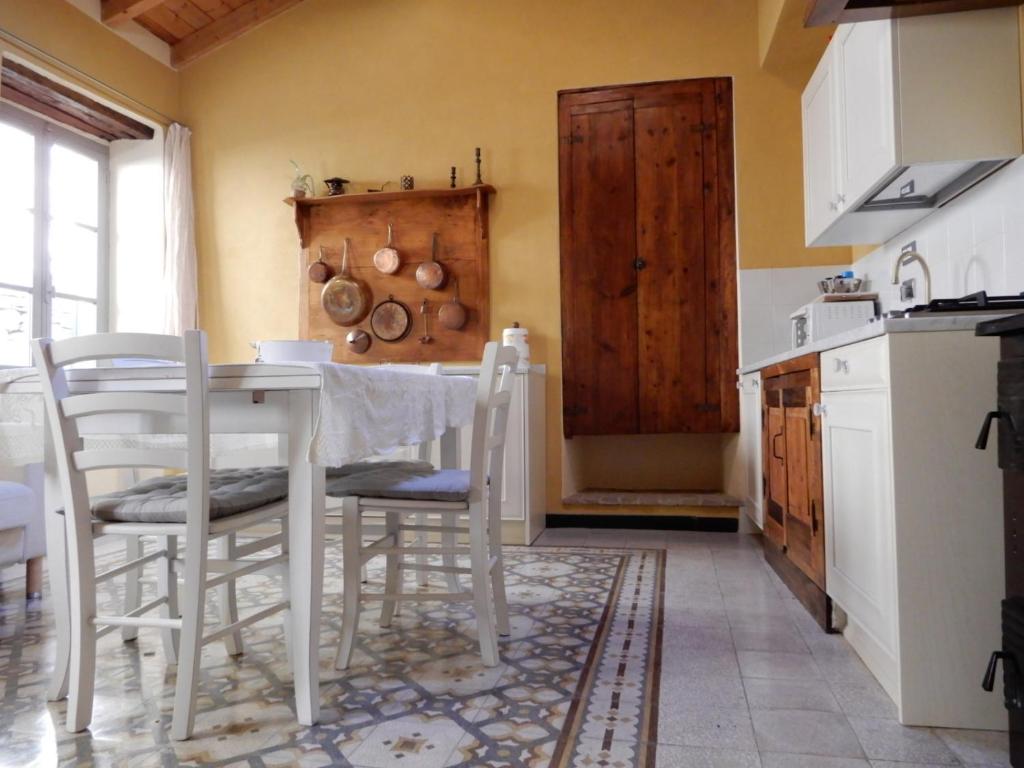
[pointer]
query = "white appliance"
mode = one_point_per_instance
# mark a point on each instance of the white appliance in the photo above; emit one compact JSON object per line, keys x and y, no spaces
{"x":821,"y":319}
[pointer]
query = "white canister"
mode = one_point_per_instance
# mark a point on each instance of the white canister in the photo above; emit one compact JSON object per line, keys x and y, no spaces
{"x":519,"y":339}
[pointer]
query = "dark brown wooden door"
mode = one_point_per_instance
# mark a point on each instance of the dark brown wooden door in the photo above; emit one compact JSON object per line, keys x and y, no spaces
{"x":648,"y":259}
{"x":599,"y":314}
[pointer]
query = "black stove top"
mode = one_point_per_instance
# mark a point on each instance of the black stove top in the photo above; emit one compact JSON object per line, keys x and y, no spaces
{"x":975,"y":302}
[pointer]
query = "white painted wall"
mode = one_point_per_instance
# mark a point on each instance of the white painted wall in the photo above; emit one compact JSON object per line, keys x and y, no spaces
{"x":974,"y":243}
{"x":767,"y":298}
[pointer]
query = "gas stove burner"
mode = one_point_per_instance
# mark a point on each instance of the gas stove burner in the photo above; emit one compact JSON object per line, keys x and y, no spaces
{"x":974,"y":302}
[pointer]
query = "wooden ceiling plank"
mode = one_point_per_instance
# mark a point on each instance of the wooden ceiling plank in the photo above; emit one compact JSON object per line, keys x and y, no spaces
{"x":213,"y":8}
{"x":157,"y":30}
{"x":189,"y":12}
{"x":227,"y":28}
{"x":105,"y":121}
{"x":171,"y":21}
{"x":115,"y":12}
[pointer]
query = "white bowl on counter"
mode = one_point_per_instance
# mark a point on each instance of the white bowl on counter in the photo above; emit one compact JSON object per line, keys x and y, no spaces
{"x":293,"y":351}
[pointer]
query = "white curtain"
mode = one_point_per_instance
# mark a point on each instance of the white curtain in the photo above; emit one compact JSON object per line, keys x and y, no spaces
{"x":180,"y":269}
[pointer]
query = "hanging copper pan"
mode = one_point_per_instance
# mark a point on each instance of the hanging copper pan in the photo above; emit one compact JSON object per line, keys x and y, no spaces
{"x":345,"y":299}
{"x":387,"y":260}
{"x":430,"y":274}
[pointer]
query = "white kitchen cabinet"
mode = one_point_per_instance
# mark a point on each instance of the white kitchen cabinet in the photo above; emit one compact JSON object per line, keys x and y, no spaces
{"x":913,"y":519}
{"x":821,"y":154}
{"x":859,"y":526}
{"x":523,"y":502}
{"x":902,"y":114}
{"x":750,"y":447}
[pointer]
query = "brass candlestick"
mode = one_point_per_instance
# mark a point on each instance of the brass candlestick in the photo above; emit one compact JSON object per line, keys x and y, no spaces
{"x":479,"y":179}
{"x":453,"y":177}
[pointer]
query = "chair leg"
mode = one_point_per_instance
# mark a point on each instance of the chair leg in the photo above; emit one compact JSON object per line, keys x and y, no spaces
{"x":34,"y":578}
{"x":133,"y":550}
{"x":392,"y":573}
{"x":227,"y":597}
{"x":82,"y":602}
{"x":352,"y":544}
{"x":167,"y":586}
{"x":448,"y":540}
{"x":422,"y":577}
{"x":191,"y":647}
{"x":286,"y":595}
{"x":478,"y":556}
{"x":498,"y":572}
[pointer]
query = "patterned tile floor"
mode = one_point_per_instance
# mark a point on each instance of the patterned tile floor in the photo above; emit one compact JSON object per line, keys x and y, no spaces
{"x":573,"y":687}
{"x":747,"y":680}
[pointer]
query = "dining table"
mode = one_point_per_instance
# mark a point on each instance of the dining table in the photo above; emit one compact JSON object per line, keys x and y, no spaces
{"x":323,"y":414}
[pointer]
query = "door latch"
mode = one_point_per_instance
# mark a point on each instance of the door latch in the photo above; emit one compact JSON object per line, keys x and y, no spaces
{"x":640,"y":264}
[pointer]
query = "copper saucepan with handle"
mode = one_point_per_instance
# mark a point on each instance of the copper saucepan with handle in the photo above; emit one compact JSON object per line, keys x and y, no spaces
{"x":345,"y":299}
{"x":430,"y":274}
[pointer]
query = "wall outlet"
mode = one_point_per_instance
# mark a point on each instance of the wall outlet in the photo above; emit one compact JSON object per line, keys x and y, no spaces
{"x":907,"y":289}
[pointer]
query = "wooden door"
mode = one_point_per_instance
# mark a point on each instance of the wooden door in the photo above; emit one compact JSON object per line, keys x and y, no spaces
{"x":599,"y":309}
{"x":676,"y":270}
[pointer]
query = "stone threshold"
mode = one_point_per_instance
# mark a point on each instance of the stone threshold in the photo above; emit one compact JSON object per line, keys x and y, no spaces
{"x":598,"y":497}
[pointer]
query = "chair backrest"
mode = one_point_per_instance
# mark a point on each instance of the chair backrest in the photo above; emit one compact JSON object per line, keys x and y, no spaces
{"x":423,"y":450}
{"x":490,"y":418}
{"x":122,"y":412}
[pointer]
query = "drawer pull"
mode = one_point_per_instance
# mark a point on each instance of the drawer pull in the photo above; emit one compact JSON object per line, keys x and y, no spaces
{"x":841,"y":366}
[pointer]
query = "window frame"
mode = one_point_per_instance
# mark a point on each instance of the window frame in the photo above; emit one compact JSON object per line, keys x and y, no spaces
{"x":47,"y":134}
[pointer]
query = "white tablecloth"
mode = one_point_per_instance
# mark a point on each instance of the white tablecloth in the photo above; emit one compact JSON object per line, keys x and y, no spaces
{"x":364,"y":412}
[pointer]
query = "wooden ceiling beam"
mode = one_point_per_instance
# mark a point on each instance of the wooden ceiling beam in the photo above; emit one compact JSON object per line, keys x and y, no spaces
{"x":115,"y":12}
{"x":227,"y":28}
{"x":26,"y":87}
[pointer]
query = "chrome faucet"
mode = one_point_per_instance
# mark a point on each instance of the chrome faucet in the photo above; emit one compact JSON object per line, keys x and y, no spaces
{"x":908,"y":257}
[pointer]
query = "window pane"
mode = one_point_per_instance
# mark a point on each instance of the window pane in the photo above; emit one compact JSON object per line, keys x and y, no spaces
{"x":74,"y":186}
{"x":16,"y":241}
{"x":15,"y":328}
{"x":73,"y":259}
{"x":72,"y":318}
{"x":17,"y":168}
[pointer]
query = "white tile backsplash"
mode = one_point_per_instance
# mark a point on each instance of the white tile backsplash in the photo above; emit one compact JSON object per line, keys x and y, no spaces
{"x":767,"y":298}
{"x":974,"y":243}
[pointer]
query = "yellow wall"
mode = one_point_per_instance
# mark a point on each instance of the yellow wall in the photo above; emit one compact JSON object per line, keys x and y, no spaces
{"x":64,"y":32}
{"x":371,"y":89}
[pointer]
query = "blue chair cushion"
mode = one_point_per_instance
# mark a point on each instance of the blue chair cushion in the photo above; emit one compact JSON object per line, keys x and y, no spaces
{"x":417,"y":483}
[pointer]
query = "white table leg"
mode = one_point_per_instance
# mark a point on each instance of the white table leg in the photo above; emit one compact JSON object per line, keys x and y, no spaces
{"x":306,"y":554}
{"x":56,"y":563}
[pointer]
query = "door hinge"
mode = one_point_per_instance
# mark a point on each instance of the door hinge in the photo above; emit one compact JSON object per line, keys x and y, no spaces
{"x":814,"y":518}
{"x":574,"y":139}
{"x":810,"y":422}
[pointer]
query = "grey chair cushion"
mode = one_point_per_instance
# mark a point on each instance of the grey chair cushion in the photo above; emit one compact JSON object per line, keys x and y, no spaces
{"x":165,"y":499}
{"x":421,"y":484}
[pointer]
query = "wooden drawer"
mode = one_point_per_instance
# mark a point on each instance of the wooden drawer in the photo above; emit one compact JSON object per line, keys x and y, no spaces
{"x":864,"y":365}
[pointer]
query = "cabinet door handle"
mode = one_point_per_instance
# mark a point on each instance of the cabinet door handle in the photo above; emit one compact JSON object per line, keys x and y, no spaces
{"x":775,"y":454}
{"x":841,"y":366}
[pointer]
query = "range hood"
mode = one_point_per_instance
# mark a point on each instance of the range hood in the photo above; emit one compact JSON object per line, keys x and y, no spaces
{"x":928,"y":185}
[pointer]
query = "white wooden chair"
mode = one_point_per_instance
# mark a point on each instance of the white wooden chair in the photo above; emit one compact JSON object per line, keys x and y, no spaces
{"x":200,"y":506}
{"x":460,"y":499}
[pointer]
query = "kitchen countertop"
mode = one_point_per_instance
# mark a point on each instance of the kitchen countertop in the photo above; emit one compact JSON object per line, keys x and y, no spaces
{"x":937,"y":322}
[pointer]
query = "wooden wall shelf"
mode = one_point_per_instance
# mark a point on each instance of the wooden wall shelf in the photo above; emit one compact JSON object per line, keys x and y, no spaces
{"x":459,"y":216}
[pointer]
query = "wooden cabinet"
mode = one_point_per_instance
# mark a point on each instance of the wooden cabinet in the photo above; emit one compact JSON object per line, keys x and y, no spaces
{"x":890,"y":120}
{"x":648,"y":259}
{"x":794,"y":532}
{"x":792,"y":465}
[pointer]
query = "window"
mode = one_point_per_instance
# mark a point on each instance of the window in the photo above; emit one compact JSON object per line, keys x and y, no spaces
{"x":53,"y":234}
